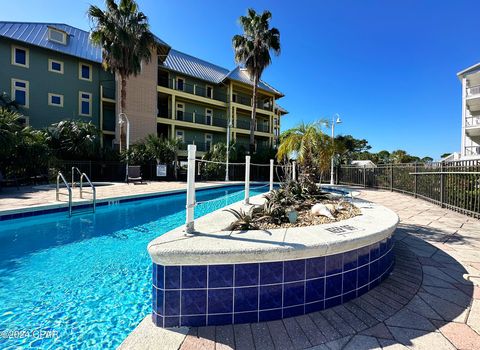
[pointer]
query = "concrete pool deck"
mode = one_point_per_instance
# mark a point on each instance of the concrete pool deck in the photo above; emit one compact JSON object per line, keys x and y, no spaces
{"x":431,"y":301}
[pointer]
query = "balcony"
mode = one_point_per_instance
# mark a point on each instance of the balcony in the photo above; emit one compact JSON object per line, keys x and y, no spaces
{"x":194,"y":118}
{"x":472,"y":126}
{"x":246,"y":101}
{"x":473,"y":98}
{"x":472,"y":151}
{"x":201,"y":146}
{"x":193,"y":89}
{"x":245,"y":125}
{"x":259,"y":145}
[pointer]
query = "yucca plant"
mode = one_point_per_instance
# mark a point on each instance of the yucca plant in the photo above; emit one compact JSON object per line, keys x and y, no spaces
{"x":245,"y":220}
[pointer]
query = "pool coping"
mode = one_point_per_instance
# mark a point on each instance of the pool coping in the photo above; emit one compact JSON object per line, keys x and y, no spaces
{"x":211,"y":245}
{"x":36,"y":210}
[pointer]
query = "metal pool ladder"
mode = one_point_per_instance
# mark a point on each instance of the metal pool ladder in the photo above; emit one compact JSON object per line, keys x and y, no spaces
{"x":60,"y":176}
{"x":94,"y":190}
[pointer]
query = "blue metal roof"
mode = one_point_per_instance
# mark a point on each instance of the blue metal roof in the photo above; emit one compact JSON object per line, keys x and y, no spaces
{"x":195,"y":67}
{"x":78,"y":42}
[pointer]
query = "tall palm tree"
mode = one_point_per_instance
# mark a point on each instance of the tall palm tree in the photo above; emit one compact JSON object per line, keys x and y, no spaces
{"x":252,"y":50}
{"x":124,"y":35}
{"x":310,"y":146}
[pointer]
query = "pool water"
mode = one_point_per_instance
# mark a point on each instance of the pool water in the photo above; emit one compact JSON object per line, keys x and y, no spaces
{"x":87,"y":279}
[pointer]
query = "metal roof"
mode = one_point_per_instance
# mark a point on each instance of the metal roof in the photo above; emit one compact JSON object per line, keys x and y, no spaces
{"x":195,"y":67}
{"x":468,"y":70}
{"x":78,"y":42}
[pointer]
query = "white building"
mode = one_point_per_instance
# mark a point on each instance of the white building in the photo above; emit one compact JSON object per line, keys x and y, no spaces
{"x":364,"y":163}
{"x":470,"y":79}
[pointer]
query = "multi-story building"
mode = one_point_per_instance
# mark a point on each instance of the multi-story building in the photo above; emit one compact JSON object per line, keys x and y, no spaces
{"x":54,"y":72}
{"x":470,"y":79}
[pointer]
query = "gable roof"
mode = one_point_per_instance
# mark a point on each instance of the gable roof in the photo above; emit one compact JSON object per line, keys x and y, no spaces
{"x":195,"y":67}
{"x":78,"y":42}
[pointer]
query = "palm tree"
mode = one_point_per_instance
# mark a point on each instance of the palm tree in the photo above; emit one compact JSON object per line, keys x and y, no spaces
{"x":252,"y":49}
{"x":124,"y":35}
{"x":311,"y":148}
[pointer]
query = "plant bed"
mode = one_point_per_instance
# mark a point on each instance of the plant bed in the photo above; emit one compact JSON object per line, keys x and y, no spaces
{"x":294,"y":204}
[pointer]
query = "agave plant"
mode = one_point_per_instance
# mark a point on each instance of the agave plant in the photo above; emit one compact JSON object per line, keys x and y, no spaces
{"x":246,"y":220}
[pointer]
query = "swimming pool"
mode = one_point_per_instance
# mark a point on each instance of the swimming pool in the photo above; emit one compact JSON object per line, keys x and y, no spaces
{"x":87,"y":278}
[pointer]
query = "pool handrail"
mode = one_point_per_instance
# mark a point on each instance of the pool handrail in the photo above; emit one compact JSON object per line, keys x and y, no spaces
{"x":94,"y":190}
{"x":60,"y":176}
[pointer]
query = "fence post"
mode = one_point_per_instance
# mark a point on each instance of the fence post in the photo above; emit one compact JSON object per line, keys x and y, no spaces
{"x":271,"y":174}
{"x":391,"y":177}
{"x":364,"y":176}
{"x":247,"y":180}
{"x":415,"y":181}
{"x":441,"y":185}
{"x":294,"y":170}
{"x":189,"y":222}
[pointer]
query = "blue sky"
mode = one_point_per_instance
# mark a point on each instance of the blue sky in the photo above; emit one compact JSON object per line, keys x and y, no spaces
{"x":387,"y":67}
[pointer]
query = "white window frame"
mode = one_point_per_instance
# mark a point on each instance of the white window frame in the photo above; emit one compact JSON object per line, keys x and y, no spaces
{"x":206,"y":91}
{"x":27,"y":56}
{"x":82,"y":99}
{"x":176,"y":83}
{"x":177,"y":108}
{"x":64,"y":36}
{"x":80,"y":64}
{"x":50,"y":61}
{"x":180,"y":135}
{"x":209,"y":113}
{"x":26,"y":119}
{"x":50,"y":95}
{"x":210,"y":137}
{"x":234,"y":97}
{"x":26,"y":89}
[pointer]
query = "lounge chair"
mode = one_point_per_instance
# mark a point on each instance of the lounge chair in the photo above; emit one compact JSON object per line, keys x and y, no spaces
{"x":134,"y":174}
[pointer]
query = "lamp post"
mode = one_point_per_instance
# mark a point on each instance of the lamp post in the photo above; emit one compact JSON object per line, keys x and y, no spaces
{"x":122,"y":119}
{"x":334,"y":121}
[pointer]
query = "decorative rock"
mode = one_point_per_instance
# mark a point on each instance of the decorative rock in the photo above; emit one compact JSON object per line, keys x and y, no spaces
{"x":321,"y":209}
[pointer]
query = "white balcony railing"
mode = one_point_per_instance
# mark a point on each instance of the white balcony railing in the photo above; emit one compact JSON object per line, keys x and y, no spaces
{"x":473,"y":91}
{"x":472,"y":150}
{"x":472,"y":122}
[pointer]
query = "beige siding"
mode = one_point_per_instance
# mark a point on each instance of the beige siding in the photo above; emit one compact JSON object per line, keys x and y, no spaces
{"x":141,"y":104}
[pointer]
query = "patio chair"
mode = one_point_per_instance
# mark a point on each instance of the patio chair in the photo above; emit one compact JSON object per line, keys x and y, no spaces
{"x":134,"y":174}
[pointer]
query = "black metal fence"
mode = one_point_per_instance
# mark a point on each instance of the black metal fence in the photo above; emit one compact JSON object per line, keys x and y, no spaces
{"x":453,"y":185}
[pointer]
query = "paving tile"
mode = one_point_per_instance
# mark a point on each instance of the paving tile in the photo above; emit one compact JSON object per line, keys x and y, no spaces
{"x":368,"y":319}
{"x":429,"y":280}
{"x":296,"y":334}
{"x":474,"y":316}
{"x":422,"y":308}
{"x":452,"y":295}
{"x":339,"y":343}
{"x":315,"y":337}
{"x":206,"y":338}
{"x":389,"y":344}
{"x":378,"y":331}
{"x":437,"y":273}
{"x":395,"y":305}
{"x":353,"y":321}
{"x":447,"y":310}
{"x":338,"y":323}
{"x":261,"y":336}
{"x":421,"y":340}
{"x":459,"y":334}
{"x":409,"y":319}
{"x":224,"y":338}
{"x":362,"y":342}
{"x":243,"y":337}
{"x":325,"y":327}
{"x":280,"y":337}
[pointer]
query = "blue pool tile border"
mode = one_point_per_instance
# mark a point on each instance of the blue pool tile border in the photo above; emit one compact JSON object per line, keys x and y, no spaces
{"x":204,"y":295}
{"x":101,"y":203}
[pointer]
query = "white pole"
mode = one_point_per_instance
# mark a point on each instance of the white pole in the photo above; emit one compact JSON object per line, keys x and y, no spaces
{"x":247,"y":180}
{"x":228,"y":150}
{"x":128,"y":141}
{"x":333,"y":151}
{"x":294,"y":170}
{"x":271,"y":174}
{"x":189,"y":222}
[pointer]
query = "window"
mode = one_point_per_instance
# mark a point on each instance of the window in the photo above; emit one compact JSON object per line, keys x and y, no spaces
{"x":57,"y":36}
{"x":180,"y":84}
{"x":180,"y":135}
{"x":275,"y":121}
{"x":24,"y":121}
{"x":55,"y":100}
{"x":208,"y":142}
{"x":209,"y":91}
{"x":180,"y":111}
{"x":55,"y":66}
{"x":20,"y":56}
{"x":20,"y":92}
{"x":84,"y":71}
{"x":234,"y":97}
{"x":85,"y":104}
{"x":208,"y":116}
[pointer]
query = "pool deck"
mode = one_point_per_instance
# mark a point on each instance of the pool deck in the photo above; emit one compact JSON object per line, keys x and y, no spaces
{"x":431,"y":301}
{"x":30,"y":197}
